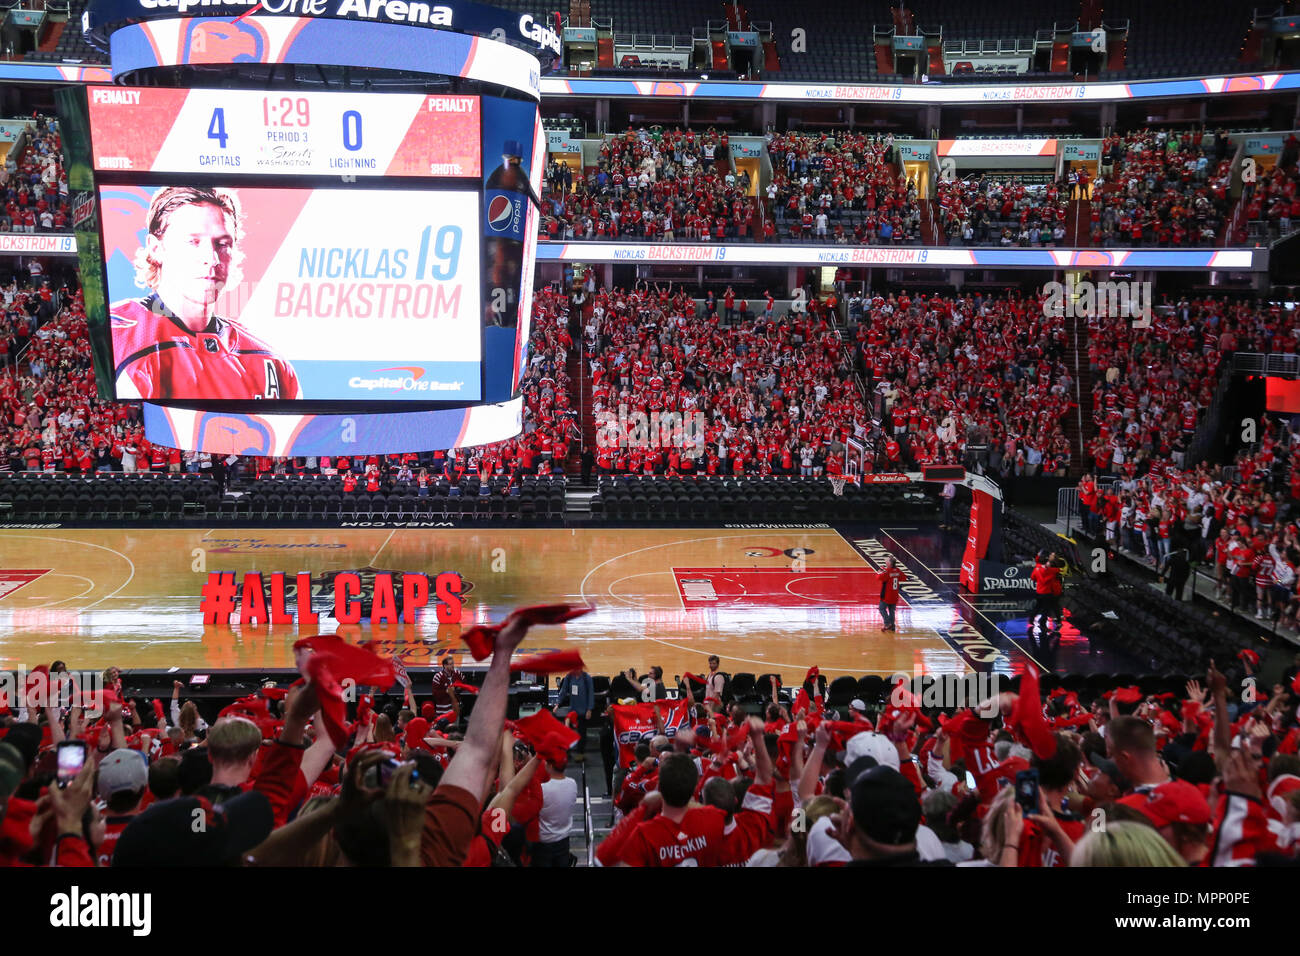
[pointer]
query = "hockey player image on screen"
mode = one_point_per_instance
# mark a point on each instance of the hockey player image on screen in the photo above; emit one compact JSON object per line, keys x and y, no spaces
{"x":172,"y":344}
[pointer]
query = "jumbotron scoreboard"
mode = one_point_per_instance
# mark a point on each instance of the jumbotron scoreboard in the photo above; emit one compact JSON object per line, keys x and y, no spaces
{"x":298,"y":231}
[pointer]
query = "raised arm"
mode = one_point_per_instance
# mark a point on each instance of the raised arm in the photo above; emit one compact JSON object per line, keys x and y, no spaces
{"x":507,"y":795}
{"x":475,"y":762}
{"x":1222,"y":732}
{"x":812,"y":768}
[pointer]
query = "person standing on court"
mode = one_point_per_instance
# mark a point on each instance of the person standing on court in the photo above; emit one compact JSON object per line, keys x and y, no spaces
{"x":1046,"y":576}
{"x":890,"y":579}
{"x":949,"y":492}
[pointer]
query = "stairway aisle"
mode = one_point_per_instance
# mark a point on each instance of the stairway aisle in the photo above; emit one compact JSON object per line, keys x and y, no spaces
{"x":581,"y":378}
{"x":1079,"y":427}
{"x":1078,"y":224}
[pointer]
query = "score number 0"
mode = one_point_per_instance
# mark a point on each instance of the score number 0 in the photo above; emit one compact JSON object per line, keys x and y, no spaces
{"x":351,"y":124}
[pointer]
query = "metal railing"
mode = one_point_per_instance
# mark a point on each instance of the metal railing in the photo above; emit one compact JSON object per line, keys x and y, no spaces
{"x":1067,"y":505}
{"x":588,"y":831}
{"x":653,"y":41}
{"x":1068,"y":512}
{"x":1273,"y":363}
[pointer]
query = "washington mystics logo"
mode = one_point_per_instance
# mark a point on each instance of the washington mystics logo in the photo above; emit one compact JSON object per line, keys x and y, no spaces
{"x":500,"y":213}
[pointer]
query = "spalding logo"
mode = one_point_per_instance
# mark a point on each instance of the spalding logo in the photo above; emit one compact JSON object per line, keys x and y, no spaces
{"x":500,"y":211}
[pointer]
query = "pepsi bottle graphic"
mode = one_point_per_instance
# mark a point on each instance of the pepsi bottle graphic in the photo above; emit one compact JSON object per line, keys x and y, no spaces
{"x":506,"y":197}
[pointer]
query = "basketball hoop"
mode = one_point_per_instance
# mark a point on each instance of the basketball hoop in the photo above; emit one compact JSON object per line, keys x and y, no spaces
{"x":837,"y":485}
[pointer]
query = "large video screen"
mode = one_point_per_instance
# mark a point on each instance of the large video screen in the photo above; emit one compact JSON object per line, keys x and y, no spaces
{"x":250,"y":133}
{"x":235,"y":294}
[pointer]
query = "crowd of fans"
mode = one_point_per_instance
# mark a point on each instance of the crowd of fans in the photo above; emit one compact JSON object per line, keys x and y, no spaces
{"x":653,"y":185}
{"x":1271,"y":199}
{"x":988,"y":210}
{"x":963,"y":372}
{"x":51,"y":420}
{"x":49,"y":417}
{"x":297,"y":777}
{"x":33,"y":182}
{"x":676,"y":184}
{"x":918,"y":788}
{"x":819,"y":180}
{"x":774,"y":395}
{"x":1150,"y":384}
{"x":1155,"y":187}
{"x":1151,"y":389}
{"x":1162,"y":188}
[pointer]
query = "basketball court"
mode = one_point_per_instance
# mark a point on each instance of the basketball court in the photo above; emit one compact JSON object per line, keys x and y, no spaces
{"x":764,"y":600}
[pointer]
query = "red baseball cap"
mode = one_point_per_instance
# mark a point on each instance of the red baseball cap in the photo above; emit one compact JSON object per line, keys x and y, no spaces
{"x":1174,"y":802}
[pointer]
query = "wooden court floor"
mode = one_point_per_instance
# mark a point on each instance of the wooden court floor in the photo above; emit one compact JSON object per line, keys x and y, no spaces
{"x":762,"y":600}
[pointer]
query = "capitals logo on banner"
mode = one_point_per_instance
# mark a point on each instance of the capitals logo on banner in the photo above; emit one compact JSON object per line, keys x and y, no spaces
{"x":505,"y":214}
{"x":634,"y":723}
{"x":977,"y":539}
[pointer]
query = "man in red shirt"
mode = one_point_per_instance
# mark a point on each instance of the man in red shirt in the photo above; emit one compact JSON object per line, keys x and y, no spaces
{"x":1047,"y":585}
{"x":1049,"y":835}
{"x":681,"y":835}
{"x":443,"y":689}
{"x":890,"y":579}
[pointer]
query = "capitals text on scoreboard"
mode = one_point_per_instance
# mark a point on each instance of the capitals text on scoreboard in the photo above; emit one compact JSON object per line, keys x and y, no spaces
{"x":257,"y":607}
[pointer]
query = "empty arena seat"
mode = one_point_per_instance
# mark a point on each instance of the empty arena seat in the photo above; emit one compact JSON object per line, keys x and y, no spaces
{"x":842,"y":690}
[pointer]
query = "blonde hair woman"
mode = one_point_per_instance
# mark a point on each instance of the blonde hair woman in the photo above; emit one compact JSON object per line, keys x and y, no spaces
{"x":795,"y":851}
{"x":1001,"y":830}
{"x":1125,"y":844}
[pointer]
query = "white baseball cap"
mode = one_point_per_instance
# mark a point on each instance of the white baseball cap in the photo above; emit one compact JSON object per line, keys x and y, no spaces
{"x":874,"y":745}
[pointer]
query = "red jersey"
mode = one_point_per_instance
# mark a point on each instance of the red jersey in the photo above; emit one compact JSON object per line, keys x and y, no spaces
{"x":1037,"y":848}
{"x":155,"y":356}
{"x":113,"y":827}
{"x":703,"y":837}
{"x":890,"y":578}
